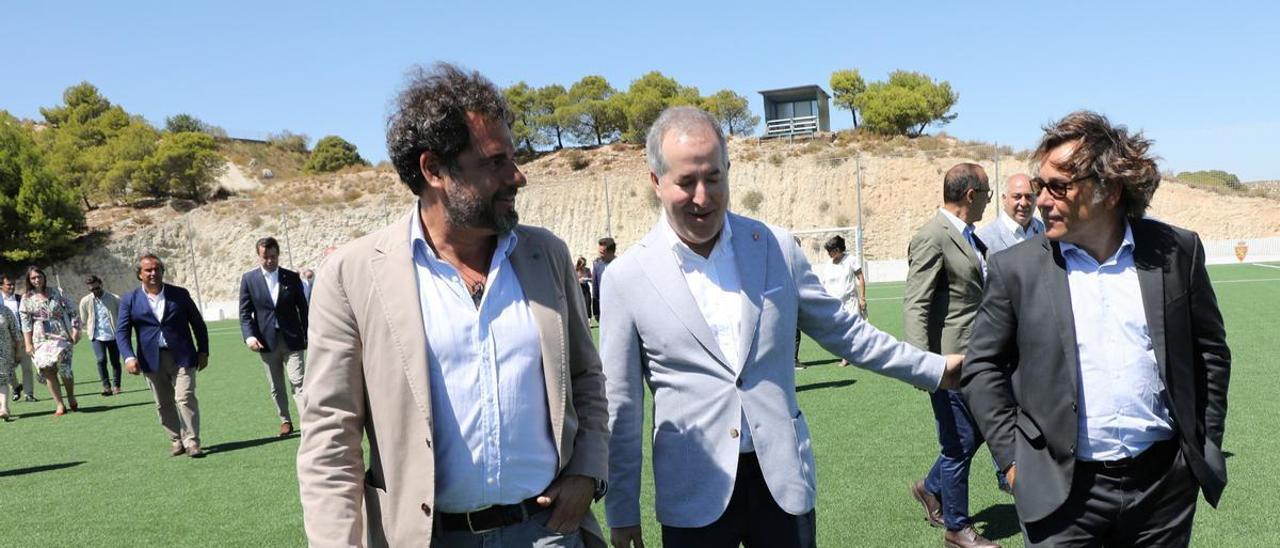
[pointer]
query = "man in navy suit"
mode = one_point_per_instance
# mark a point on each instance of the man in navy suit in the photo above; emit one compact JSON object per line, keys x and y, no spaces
{"x":165,"y":318}
{"x":273,"y":320}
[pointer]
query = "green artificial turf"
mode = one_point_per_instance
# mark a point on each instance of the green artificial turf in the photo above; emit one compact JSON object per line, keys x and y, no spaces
{"x":104,"y":477}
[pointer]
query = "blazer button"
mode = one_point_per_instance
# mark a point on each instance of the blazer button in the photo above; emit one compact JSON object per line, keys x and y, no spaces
{"x":1072,"y":450}
{"x":739,"y":383}
{"x":428,"y":443}
{"x":1073,"y":407}
{"x":426,"y":509}
{"x":733,"y":433}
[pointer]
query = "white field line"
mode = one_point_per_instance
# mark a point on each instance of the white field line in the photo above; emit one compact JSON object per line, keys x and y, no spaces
{"x":1267,"y":266}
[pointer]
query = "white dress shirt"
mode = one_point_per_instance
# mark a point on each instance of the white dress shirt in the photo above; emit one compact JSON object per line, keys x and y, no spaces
{"x":157,"y":303}
{"x":491,"y":426}
{"x":1019,"y":233}
{"x":273,"y":283}
{"x":966,"y":229}
{"x":713,"y":281}
{"x":11,"y":302}
{"x":1122,"y":409}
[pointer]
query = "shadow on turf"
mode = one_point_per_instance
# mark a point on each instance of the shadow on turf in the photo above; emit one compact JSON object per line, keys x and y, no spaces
{"x":38,"y":469}
{"x":84,"y":409}
{"x":821,"y":362}
{"x":245,"y":444}
{"x":827,"y":384}
{"x":1001,"y":520}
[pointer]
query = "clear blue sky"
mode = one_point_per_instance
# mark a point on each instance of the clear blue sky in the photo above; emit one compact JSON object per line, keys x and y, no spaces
{"x":1202,"y":79}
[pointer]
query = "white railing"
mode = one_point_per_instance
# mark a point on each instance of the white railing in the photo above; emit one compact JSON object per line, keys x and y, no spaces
{"x":785,"y":127}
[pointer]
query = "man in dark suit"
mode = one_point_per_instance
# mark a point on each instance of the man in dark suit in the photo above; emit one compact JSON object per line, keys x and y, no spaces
{"x":1098,"y":366}
{"x":165,"y":317}
{"x":945,"y":264}
{"x":607,"y":249}
{"x":273,"y":321}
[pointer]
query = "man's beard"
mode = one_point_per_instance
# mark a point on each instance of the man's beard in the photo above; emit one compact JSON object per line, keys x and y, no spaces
{"x":467,"y":210}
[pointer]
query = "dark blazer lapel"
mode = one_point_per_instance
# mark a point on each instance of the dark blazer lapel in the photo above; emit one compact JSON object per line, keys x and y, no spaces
{"x":1150,"y":265}
{"x":170,"y":305}
{"x":659,"y":265}
{"x":397,"y":292}
{"x":751,"y":255}
{"x":1060,"y":298}
{"x":259,"y":281}
{"x":547,"y":304}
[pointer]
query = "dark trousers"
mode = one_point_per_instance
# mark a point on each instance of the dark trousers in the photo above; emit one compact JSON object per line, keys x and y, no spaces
{"x":102,"y":350}
{"x":586,"y":298}
{"x":959,"y":440}
{"x":752,"y":519}
{"x":1151,"y":502}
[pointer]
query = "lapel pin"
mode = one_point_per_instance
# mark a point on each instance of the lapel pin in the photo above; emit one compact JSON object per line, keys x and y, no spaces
{"x":755,"y":236}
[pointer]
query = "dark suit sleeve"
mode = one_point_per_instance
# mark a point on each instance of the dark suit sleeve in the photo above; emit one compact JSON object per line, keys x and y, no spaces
{"x":1209,"y":338}
{"x":124,"y":327}
{"x":924,"y":267}
{"x":304,"y":307}
{"x":246,"y":309}
{"x":196,"y":320}
{"x":992,"y":356}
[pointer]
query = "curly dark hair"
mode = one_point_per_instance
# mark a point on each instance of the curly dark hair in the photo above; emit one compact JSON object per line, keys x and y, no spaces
{"x":430,"y":116}
{"x":1110,"y":153}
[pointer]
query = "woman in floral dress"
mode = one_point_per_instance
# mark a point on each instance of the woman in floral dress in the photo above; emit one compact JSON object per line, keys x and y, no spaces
{"x":8,"y":356}
{"x":50,"y":327}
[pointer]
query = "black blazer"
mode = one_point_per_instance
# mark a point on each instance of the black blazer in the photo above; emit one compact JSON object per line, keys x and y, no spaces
{"x":258,"y":316}
{"x":1020,"y":372}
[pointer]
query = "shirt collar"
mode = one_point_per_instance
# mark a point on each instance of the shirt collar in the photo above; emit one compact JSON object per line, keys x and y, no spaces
{"x":1126,"y":247}
{"x":683,"y":249}
{"x":955,"y":221}
{"x":506,"y":241}
{"x":1012,"y":226}
{"x":271,"y":274}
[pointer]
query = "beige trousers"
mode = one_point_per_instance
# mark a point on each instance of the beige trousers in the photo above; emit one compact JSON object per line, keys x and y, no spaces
{"x":174,"y":389}
{"x":279,"y":362}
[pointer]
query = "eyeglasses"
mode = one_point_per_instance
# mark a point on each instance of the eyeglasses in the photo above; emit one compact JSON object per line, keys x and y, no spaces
{"x":983,"y":192}
{"x":1057,"y":189}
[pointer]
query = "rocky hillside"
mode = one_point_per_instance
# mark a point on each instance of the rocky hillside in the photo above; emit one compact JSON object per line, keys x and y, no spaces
{"x":582,"y":195}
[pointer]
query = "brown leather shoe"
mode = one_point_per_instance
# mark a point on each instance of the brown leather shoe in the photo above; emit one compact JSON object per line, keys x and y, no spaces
{"x":286,"y":428}
{"x":177,"y":449}
{"x":966,"y":538}
{"x":194,"y":451}
{"x":932,"y":506}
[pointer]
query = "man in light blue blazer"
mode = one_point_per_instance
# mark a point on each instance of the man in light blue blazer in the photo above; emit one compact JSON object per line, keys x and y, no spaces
{"x":1018,"y":222}
{"x":704,"y":311}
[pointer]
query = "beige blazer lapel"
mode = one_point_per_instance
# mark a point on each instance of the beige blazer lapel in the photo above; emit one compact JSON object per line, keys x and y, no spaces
{"x":396,"y":291}
{"x":536,"y":273}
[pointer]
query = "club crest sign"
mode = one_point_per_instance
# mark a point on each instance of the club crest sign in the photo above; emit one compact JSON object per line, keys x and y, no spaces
{"x":1242,"y":249}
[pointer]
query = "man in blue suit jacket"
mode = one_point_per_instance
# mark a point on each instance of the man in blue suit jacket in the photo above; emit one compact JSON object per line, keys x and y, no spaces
{"x":273,"y":321}
{"x":704,"y":311}
{"x":165,"y":317}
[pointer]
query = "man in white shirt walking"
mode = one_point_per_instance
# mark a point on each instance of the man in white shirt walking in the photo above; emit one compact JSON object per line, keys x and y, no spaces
{"x":273,"y":322}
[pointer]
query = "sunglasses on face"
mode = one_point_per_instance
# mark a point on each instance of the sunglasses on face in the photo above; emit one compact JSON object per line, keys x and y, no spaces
{"x":1057,"y":189}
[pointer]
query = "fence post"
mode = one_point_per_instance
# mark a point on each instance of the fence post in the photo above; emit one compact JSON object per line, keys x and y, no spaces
{"x":195,"y":268}
{"x":995,"y":158}
{"x":862,"y":257}
{"x":284,"y":229}
{"x":608,"y":220}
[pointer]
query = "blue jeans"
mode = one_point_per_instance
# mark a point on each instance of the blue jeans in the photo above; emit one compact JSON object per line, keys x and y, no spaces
{"x":102,"y":350}
{"x":959,"y":439}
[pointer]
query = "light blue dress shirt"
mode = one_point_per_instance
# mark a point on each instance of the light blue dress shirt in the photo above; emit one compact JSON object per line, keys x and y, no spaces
{"x":103,"y":330}
{"x":491,"y":427}
{"x":1122,"y":399}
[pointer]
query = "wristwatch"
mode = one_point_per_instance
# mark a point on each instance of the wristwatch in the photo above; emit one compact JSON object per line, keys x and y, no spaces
{"x":602,"y":487}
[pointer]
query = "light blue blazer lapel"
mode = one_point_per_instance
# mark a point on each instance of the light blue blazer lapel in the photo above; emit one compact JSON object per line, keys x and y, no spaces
{"x":751,"y":253}
{"x":659,"y":265}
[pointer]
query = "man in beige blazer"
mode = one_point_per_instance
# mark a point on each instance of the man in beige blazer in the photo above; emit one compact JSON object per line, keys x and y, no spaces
{"x":455,"y":340}
{"x":945,"y":268}
{"x":98,"y":311}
